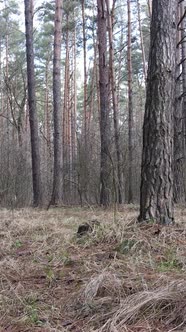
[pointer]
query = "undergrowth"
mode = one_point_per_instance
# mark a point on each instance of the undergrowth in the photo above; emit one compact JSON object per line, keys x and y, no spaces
{"x":120,"y":276}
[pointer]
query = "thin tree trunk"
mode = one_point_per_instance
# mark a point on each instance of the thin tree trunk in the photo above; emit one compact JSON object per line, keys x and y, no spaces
{"x":183,"y":53}
{"x":57,"y":113}
{"x":47,"y":126}
{"x":119,"y":78}
{"x":74,"y":116}
{"x":66,"y":109}
{"x":7,"y":93}
{"x":85,"y":75}
{"x":70,"y":107}
{"x":47,"y":110}
{"x":104,"y":107}
{"x":130,"y":108}
{"x":179,"y":188}
{"x":149,"y":3}
{"x":115,"y":104}
{"x":156,"y":197}
{"x":21,"y":110}
{"x":1,"y":93}
{"x":93,"y":85}
{"x":97,"y":79}
{"x":74,"y":112}
{"x":36,"y":176}
{"x":141,"y":41}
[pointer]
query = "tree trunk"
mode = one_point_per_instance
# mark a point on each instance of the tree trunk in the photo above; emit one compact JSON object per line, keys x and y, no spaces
{"x":130,"y":109}
{"x":104,"y":107}
{"x":115,"y":105}
{"x":119,"y":75}
{"x":7,"y":102}
{"x":47,"y":111}
{"x":74,"y":116}
{"x":57,"y":114}
{"x":183,"y":54}
{"x":156,"y":197}
{"x":149,"y":3}
{"x":85,"y":76}
{"x":36,"y":176}
{"x":141,"y":41}
{"x":179,"y":187}
{"x":66,"y":108}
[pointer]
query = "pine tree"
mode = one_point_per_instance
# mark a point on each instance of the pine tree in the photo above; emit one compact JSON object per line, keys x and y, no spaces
{"x":32,"y":104}
{"x":156,"y":200}
{"x":57,"y":115}
{"x":104,"y":106}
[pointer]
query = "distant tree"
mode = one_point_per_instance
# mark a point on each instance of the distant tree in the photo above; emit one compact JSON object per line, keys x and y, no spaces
{"x":130,"y":107}
{"x":57,"y":112}
{"x":141,"y":41}
{"x":156,"y":199}
{"x":110,"y":14}
{"x":36,"y":176}
{"x":85,"y":72}
{"x":69,"y":107}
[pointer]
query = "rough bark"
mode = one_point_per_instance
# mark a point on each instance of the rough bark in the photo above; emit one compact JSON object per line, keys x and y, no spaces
{"x":36,"y":176}
{"x":57,"y":113}
{"x":104,"y":107}
{"x":156,"y":197}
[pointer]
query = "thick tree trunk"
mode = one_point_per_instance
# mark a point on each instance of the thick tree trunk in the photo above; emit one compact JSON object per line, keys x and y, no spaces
{"x":36,"y":176}
{"x":104,"y":107}
{"x":156,"y":200}
{"x":57,"y":113}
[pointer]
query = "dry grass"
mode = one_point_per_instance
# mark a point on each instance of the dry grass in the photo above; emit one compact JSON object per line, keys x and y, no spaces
{"x":121,"y":277}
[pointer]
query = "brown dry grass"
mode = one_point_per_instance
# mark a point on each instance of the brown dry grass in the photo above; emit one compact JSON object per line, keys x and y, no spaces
{"x":122,"y":277}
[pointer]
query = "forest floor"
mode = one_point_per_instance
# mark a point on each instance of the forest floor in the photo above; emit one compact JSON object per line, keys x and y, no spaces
{"x":122,"y":276}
